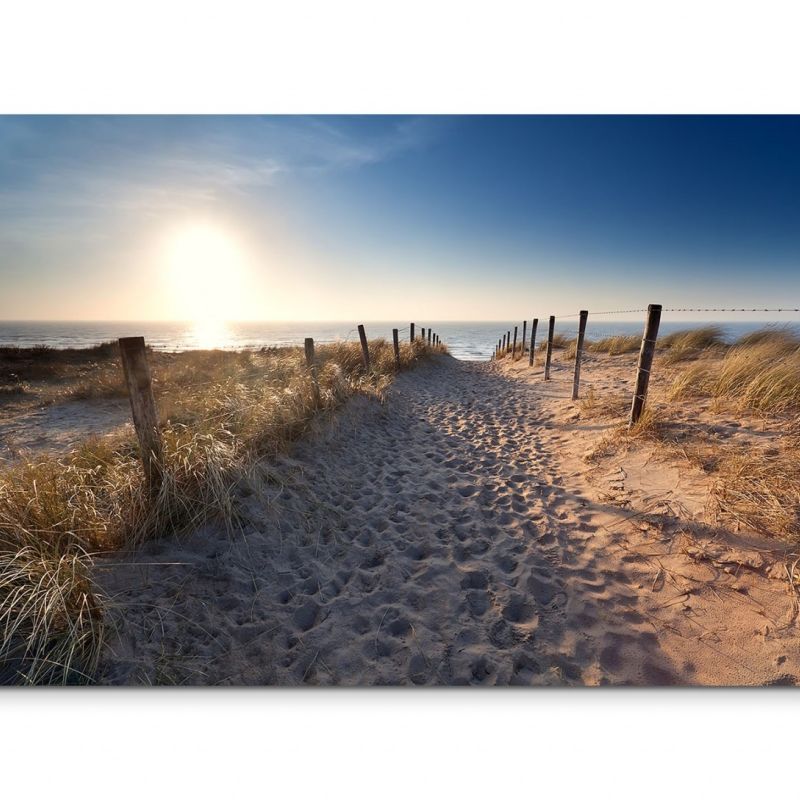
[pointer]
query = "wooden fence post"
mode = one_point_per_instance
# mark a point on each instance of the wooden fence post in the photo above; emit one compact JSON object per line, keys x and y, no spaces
{"x":143,"y":409}
{"x":396,"y":343}
{"x":364,"y":348}
{"x":312,"y":367}
{"x":524,"y":337}
{"x":508,"y":341}
{"x":309,"y":348}
{"x":514,"y":347}
{"x":504,"y":343}
{"x":429,"y":337}
{"x":550,"y":329}
{"x":534,"y":326}
{"x":423,"y":335}
{"x":412,"y":331}
{"x":645,"y":362}
{"x":576,"y":380}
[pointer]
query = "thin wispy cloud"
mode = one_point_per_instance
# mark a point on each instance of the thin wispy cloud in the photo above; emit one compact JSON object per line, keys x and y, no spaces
{"x":614,"y":206}
{"x":56,"y":169}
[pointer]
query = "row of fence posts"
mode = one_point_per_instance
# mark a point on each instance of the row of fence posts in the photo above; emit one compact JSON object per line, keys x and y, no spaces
{"x":139,"y":383}
{"x":505,"y":345}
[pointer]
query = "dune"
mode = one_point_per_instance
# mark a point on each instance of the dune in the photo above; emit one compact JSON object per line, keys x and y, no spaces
{"x":456,"y":533}
{"x":52,"y":429}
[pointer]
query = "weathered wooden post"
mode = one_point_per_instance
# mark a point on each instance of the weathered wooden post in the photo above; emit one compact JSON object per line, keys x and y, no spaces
{"x":508,"y":341}
{"x":534,"y":326}
{"x":576,"y":380}
{"x":548,"y":358}
{"x":412,"y":331}
{"x":504,"y":343}
{"x":645,"y":361}
{"x":423,"y":335}
{"x":312,"y":367}
{"x":514,"y":347}
{"x":396,"y":343}
{"x":309,"y":349}
{"x":524,"y":337}
{"x":143,"y":409}
{"x":429,"y":337}
{"x":364,"y":348}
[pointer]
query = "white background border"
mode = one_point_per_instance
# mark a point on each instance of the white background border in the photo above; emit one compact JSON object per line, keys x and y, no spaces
{"x":420,"y":57}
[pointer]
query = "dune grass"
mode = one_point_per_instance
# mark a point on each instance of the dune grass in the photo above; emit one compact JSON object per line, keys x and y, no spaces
{"x":615,"y":345}
{"x":221,"y":416}
{"x":752,"y":484}
{"x":690,"y":344}
{"x":761,"y":371}
{"x":560,"y":341}
{"x":761,"y":489}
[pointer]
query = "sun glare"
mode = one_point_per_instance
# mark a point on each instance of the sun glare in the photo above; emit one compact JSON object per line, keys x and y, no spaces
{"x":205,"y":268}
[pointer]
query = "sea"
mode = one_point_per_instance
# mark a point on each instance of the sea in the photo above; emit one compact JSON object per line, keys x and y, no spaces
{"x":469,"y":341}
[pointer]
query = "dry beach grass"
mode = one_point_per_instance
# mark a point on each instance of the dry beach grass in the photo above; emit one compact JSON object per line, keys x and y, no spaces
{"x":756,"y":377}
{"x":221,"y":414}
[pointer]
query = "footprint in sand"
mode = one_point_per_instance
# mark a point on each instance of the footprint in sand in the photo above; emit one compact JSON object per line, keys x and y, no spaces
{"x":482,"y":670}
{"x":545,"y":591}
{"x":305,"y":617}
{"x":519,"y":609}
{"x":475,"y":579}
{"x":478,"y":601}
{"x":506,"y":563}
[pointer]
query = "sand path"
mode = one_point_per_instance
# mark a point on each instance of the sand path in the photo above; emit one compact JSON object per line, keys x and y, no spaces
{"x":56,"y":428}
{"x":435,"y":539}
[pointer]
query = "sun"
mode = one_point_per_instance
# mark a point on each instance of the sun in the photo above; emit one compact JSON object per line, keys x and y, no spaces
{"x":205,"y":269}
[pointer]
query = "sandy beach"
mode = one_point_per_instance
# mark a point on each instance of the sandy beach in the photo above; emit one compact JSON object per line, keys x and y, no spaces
{"x":456,"y":534}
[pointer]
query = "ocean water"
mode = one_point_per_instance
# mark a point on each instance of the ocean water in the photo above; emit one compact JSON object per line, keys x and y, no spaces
{"x":471,"y":341}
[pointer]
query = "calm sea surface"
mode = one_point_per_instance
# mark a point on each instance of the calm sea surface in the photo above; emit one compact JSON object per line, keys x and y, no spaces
{"x":471,"y":341}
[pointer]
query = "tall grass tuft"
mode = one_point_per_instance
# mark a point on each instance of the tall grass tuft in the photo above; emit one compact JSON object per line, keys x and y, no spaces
{"x":560,"y":341}
{"x":50,"y":612}
{"x":58,"y":514}
{"x":684,"y":345}
{"x":761,"y":371}
{"x":615,"y":345}
{"x":761,"y":490}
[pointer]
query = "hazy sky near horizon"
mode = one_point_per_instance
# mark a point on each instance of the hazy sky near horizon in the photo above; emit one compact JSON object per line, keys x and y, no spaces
{"x":394,"y":217}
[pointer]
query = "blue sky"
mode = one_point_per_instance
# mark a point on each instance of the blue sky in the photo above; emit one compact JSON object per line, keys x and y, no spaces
{"x":394,"y":217}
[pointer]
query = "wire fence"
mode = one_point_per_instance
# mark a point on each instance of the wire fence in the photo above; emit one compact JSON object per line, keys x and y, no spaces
{"x":687,"y":310}
{"x":508,"y":345}
{"x":142,"y":401}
